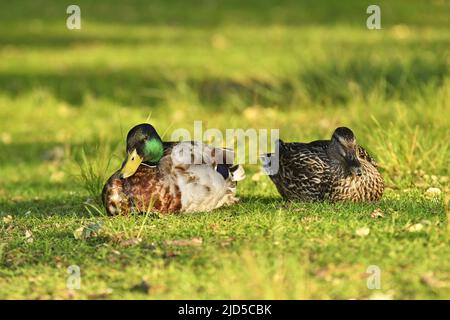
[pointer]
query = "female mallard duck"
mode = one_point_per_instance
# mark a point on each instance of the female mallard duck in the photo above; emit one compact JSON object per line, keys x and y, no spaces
{"x":334,"y":170}
{"x":171,"y":176}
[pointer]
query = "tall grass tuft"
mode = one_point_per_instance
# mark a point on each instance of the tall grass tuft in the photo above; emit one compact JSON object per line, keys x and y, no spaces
{"x":405,"y":150}
{"x":95,"y":168}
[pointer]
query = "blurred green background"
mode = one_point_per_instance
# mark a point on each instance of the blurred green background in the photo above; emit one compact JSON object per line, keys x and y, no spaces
{"x":304,"y":67}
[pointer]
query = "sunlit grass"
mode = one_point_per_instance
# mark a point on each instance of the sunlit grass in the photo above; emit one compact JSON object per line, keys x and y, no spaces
{"x":67,"y":100}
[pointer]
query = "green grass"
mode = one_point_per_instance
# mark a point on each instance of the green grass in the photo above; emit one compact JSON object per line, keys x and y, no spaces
{"x":67,"y":99}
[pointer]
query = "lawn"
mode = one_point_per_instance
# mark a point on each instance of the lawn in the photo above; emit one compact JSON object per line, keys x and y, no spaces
{"x":68,"y":98}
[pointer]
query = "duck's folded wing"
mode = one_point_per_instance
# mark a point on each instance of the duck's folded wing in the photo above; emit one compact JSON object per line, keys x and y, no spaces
{"x":185,"y":154}
{"x":192,"y":152}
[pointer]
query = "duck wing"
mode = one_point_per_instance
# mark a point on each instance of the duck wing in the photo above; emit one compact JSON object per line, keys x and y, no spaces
{"x":205,"y":175}
{"x":303,"y":170}
{"x":188,"y":153}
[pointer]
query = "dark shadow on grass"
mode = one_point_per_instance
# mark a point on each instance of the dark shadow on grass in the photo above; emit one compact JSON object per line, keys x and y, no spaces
{"x":212,"y":13}
{"x":51,"y":153}
{"x":324,"y":85}
{"x":55,"y":206}
{"x":78,"y":40}
{"x":261,"y":200}
{"x":29,"y":153}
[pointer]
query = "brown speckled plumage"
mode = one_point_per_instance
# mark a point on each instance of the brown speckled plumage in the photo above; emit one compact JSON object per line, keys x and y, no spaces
{"x":145,"y":191}
{"x":315,"y":171}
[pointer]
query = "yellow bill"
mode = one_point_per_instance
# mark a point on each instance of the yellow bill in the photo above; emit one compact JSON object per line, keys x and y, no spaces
{"x":131,"y":165}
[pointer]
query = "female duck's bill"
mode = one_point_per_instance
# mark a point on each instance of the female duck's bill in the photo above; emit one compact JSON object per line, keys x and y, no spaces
{"x":344,"y":149}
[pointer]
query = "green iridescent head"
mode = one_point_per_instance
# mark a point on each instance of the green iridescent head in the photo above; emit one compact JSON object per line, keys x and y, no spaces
{"x":153,"y":150}
{"x":143,"y":145}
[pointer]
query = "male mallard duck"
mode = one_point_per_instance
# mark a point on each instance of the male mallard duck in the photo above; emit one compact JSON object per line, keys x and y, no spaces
{"x":334,"y":170}
{"x":171,"y":176}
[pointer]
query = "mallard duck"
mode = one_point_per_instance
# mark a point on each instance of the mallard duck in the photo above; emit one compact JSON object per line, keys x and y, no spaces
{"x":171,"y":176}
{"x":333,"y":170}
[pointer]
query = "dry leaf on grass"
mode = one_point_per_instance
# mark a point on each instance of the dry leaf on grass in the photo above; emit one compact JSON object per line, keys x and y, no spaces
{"x":85,"y":232}
{"x":29,"y":236}
{"x":431,"y":281}
{"x":170,"y":254}
{"x":415,"y":227}
{"x":214,"y":226}
{"x":100,"y":294}
{"x":69,"y":295}
{"x":17,"y":199}
{"x":227,"y":241}
{"x":184,"y":242}
{"x":433,"y":192}
{"x":8,"y":219}
{"x":130,"y":242}
{"x":377,"y":213}
{"x":362,"y":232}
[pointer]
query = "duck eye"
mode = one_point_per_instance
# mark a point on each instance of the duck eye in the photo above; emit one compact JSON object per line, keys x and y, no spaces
{"x":132,"y":159}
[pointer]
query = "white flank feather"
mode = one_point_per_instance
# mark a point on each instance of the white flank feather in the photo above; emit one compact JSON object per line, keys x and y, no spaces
{"x":202,"y":187}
